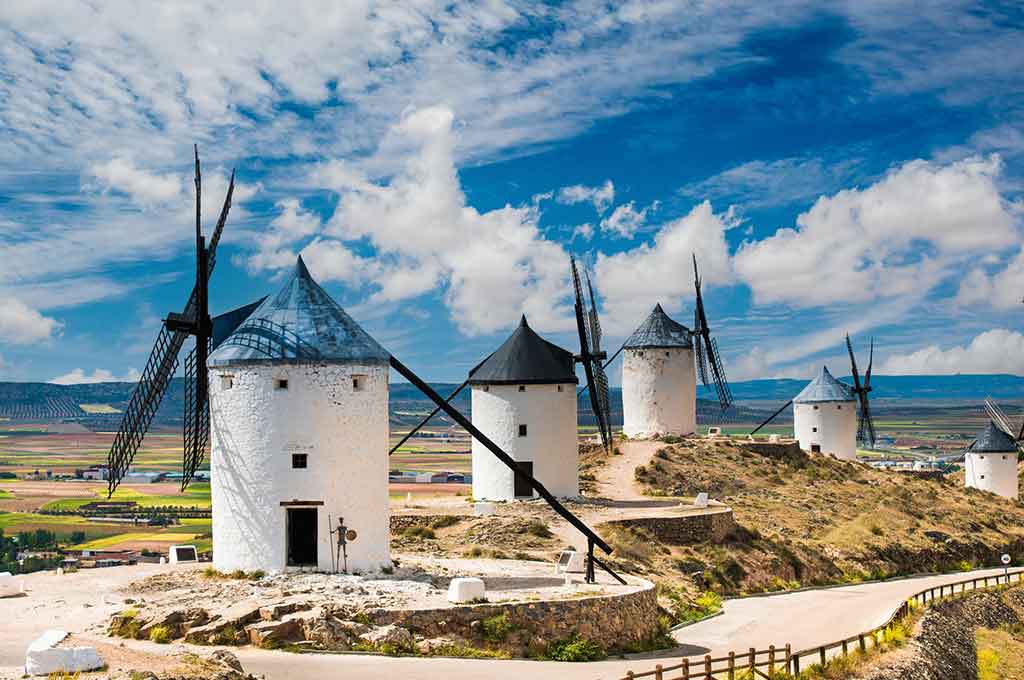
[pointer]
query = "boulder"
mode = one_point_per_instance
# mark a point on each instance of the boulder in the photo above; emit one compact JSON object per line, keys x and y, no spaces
{"x":390,"y":635}
{"x":281,"y":631}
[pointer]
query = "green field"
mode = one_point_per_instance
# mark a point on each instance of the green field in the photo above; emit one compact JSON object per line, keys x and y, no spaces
{"x":197,"y":495}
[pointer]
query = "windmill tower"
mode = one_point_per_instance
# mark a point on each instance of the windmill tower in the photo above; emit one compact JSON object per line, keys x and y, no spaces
{"x":524,"y":400}
{"x":659,"y":379}
{"x":661,"y":361}
{"x":825,"y":417}
{"x":990,"y":461}
{"x":299,"y":412}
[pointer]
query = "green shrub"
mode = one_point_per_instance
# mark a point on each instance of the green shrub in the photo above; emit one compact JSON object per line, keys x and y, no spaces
{"x":228,"y":635}
{"x":475,"y":551}
{"x":576,"y":648}
{"x":161,"y":635}
{"x":538,"y":529}
{"x":496,"y":628}
{"x":877,"y":530}
{"x":684,"y":611}
{"x":445,"y":521}
{"x":419,"y":531}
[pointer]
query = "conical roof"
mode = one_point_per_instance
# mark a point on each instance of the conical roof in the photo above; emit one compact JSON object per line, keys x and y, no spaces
{"x":525,"y":359}
{"x":825,"y":388}
{"x":659,"y":330}
{"x":300,"y":324}
{"x":993,"y":440}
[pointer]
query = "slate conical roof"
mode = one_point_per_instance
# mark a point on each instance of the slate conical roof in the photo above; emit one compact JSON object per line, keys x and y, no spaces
{"x":300,"y":324}
{"x":658,"y":330}
{"x":825,"y":388}
{"x":525,"y":359}
{"x":993,"y":440}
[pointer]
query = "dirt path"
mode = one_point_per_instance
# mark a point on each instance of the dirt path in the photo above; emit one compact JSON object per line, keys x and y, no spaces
{"x":615,"y":480}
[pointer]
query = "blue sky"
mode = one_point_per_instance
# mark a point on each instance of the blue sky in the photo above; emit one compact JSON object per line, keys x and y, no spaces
{"x":836,"y":167}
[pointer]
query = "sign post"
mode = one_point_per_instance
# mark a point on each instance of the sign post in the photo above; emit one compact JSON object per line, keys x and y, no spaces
{"x":1005,"y":559}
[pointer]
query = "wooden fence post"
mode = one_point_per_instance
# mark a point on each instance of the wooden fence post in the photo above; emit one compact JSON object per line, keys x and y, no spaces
{"x":686,"y":669}
{"x":845,"y":650}
{"x":796,"y":664}
{"x":789,"y":651}
{"x":732,"y":665}
{"x":753,"y":662}
{"x":821,"y":653}
{"x":707,"y":667}
{"x":657,"y":672}
{"x":860,"y":639}
{"x":771,"y":659}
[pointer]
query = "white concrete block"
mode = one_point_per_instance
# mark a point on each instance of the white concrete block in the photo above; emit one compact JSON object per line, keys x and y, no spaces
{"x":466,"y":589}
{"x":483,"y":509}
{"x":43,"y":657}
{"x":181,"y":554}
{"x":702,"y":500}
{"x":8,"y":586}
{"x":571,"y":562}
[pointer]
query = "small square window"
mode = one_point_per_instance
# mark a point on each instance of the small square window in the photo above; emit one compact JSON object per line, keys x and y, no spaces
{"x":668,"y":354}
{"x":839,"y":407}
{"x":358,"y":383}
{"x":815,"y":408}
{"x":983,"y":476}
{"x":281,"y":384}
{"x":559,"y":388}
{"x":487,"y":388}
{"x":522,"y":388}
{"x":227,"y":382}
{"x":522,"y":430}
{"x":814,"y":429}
{"x":300,"y":461}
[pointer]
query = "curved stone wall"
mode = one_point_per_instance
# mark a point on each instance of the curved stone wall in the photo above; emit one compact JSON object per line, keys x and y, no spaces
{"x":713,"y":525}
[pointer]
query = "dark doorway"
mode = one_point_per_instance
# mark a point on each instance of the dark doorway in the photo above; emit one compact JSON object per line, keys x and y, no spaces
{"x":301,"y":537}
{"x":522,"y":487}
{"x":815,"y":448}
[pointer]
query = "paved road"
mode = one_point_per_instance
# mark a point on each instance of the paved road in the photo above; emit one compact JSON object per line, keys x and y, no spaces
{"x":804,"y":619}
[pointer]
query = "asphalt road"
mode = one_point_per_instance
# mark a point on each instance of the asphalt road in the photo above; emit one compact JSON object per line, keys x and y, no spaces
{"x":803,"y":619}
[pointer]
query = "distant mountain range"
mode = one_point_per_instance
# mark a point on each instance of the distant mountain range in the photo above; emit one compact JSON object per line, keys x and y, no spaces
{"x":99,"y":405}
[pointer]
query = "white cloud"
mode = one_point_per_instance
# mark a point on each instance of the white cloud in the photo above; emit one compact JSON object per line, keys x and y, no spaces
{"x":491,"y":265}
{"x":79,"y":376}
{"x":631,"y":282}
{"x":897,"y":237}
{"x":995,"y":351}
{"x":584,"y":231}
{"x":601,"y":197}
{"x":1002,"y":289}
{"x":759,"y":183}
{"x":22,"y":325}
{"x":625,"y":220}
{"x":274,"y":244}
{"x":142,"y":186}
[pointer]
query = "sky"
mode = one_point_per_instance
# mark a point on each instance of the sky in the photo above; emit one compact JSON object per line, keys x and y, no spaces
{"x":836,"y":167}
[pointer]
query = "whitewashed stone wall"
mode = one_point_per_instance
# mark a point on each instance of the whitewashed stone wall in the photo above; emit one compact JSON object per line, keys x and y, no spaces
{"x":659,"y":392}
{"x":256,"y":428}
{"x":832,"y":425}
{"x":551,"y":441}
{"x":994,"y":472}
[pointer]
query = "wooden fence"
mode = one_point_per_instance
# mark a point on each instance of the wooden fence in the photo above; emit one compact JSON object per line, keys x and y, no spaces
{"x":762,"y":664}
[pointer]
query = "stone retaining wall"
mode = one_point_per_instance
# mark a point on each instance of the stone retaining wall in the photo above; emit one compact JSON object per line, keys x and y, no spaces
{"x":944,"y":647}
{"x":685,"y":529}
{"x":617,"y":622}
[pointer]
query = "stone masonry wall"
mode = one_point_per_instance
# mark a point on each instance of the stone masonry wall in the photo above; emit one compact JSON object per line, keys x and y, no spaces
{"x":944,"y":647}
{"x":686,"y":529}
{"x":617,"y":622}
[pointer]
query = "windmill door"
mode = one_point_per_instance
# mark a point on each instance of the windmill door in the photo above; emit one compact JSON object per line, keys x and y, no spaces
{"x":302,"y":537}
{"x":522,"y":488}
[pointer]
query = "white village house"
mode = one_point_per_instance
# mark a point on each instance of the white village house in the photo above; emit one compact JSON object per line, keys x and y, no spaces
{"x":825,"y":417}
{"x":299,"y":428}
{"x":991,"y":463}
{"x":524,"y":400}
{"x":659,"y":380}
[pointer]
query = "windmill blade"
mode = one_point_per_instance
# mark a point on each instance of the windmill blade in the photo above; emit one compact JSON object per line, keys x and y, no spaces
{"x":770,"y":418}
{"x":999,"y":418}
{"x":196,"y":433}
{"x":871,"y":360}
{"x":602,"y":406}
{"x":701,"y":356}
{"x":718,"y":373}
{"x":865,"y":425}
{"x":591,"y":361}
{"x":145,"y":400}
{"x":853,"y":365}
{"x":595,"y":322}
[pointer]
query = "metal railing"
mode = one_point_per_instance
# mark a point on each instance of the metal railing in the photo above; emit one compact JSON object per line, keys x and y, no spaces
{"x":762,"y":664}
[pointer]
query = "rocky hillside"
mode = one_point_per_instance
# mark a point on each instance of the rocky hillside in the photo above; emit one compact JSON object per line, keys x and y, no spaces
{"x":811,"y":519}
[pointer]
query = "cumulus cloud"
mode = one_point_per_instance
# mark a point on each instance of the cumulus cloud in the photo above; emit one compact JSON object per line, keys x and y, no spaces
{"x":1001,"y":289}
{"x":995,"y":351}
{"x":292,"y":224}
{"x":602,"y":196}
{"x":22,"y":325}
{"x":78,"y":376}
{"x":142,"y":186}
{"x":896,"y":237}
{"x":625,"y":220}
{"x":490,"y":265}
{"x":632,"y":281}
